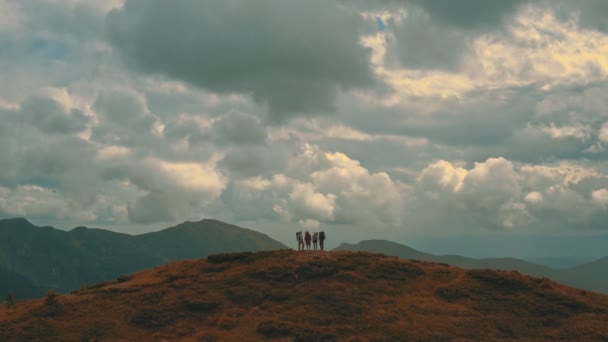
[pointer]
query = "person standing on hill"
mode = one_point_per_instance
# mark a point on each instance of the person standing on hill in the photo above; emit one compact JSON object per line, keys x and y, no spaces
{"x":321,"y":239}
{"x":307,"y":238}
{"x":300,"y":241}
{"x":315,"y":237}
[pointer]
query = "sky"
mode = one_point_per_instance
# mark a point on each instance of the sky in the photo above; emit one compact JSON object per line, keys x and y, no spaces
{"x":386,"y":119}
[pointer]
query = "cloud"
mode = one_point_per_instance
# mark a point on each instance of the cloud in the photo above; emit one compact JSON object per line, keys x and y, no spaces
{"x":36,"y":202}
{"x":603,"y":133}
{"x":330,"y":188}
{"x":292,"y":56}
{"x":238,"y":129}
{"x":469,"y":14}
{"x":422,"y":43}
{"x":124,"y":118}
{"x":305,"y":201}
{"x":501,"y":195}
{"x":600,"y":196}
{"x":169,"y":190}
{"x":591,"y":13}
{"x":52,"y":117}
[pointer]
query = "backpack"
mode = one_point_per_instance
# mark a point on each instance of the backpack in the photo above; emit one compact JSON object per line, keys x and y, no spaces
{"x":315,"y":236}
{"x":321,"y":236}
{"x":299,"y":236}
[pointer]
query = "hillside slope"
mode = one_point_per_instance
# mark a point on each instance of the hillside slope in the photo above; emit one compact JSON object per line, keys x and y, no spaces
{"x":312,"y":296}
{"x":65,"y":260}
{"x":18,"y":285}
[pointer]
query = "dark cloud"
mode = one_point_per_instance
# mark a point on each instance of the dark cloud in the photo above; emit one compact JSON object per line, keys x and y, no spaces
{"x":240,"y":129}
{"x":251,"y":160}
{"x":79,"y":20}
{"x":294,"y":56}
{"x":423,"y":44}
{"x":469,"y":14}
{"x":435,"y":34}
{"x":51,"y":117}
{"x":593,"y":13}
{"x":124,"y":118}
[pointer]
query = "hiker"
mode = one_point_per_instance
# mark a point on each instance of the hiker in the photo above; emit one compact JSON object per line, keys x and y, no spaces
{"x":321,"y":239}
{"x":315,"y":237}
{"x":307,"y":238}
{"x":300,"y":241}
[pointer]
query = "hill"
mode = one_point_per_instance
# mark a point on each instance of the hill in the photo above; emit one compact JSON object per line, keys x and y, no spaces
{"x":312,"y":296}
{"x":405,"y":252}
{"x":65,"y":260}
{"x":18,"y":285}
{"x":591,"y":276}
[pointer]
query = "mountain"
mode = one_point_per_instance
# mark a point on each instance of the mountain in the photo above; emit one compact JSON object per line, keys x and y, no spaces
{"x":18,"y":285}
{"x":385,"y":247}
{"x":526,"y":267}
{"x":592,"y":275}
{"x":405,"y":252}
{"x":312,"y":296}
{"x":66,"y":260}
{"x":559,"y":263}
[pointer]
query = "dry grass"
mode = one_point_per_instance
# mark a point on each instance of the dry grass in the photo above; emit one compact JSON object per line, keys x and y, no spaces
{"x":312,"y":296}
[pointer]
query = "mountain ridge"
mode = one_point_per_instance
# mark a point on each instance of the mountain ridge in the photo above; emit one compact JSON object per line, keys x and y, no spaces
{"x":589,"y":276}
{"x":66,"y":260}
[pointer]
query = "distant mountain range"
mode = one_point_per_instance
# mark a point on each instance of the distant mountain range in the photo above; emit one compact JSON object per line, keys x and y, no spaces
{"x":591,"y":276}
{"x":35,"y":259}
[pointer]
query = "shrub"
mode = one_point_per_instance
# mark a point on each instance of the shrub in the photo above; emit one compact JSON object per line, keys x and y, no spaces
{"x":201,"y":305}
{"x":101,"y":284}
{"x":51,"y":299}
{"x":124,"y":278}
{"x":10,"y":299}
{"x":451,"y":293}
{"x":50,"y":307}
{"x":501,"y":281}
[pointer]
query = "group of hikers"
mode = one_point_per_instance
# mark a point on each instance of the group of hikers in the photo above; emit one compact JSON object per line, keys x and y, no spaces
{"x":315,"y":237}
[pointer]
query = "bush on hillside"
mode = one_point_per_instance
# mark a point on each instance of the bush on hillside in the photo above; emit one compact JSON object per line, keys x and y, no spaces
{"x":51,"y":299}
{"x":10,"y":299}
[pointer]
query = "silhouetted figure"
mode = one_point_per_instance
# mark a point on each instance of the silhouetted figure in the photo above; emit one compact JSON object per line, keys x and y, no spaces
{"x":307,"y":239}
{"x":315,"y":238}
{"x":321,"y":239}
{"x":300,"y":241}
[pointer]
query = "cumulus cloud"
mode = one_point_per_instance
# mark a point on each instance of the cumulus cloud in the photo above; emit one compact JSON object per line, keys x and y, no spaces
{"x":331,"y":188}
{"x":600,"y":196}
{"x":294,"y":66}
{"x":37,"y":202}
{"x":499,"y":194}
{"x":470,"y":14}
{"x":169,"y":190}
{"x":213,"y":114}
